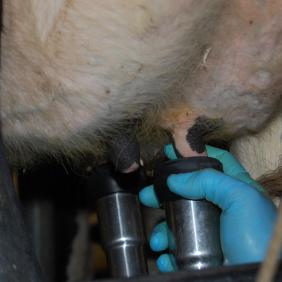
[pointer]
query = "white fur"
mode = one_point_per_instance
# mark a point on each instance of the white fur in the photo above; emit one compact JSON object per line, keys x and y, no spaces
{"x":261,"y":152}
{"x":74,"y":70}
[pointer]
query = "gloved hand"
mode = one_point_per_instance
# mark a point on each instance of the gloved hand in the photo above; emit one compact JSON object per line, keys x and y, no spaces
{"x":248,"y":215}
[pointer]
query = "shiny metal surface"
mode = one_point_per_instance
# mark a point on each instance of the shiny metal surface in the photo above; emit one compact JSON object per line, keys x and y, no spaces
{"x":122,"y":234}
{"x":195,"y":228}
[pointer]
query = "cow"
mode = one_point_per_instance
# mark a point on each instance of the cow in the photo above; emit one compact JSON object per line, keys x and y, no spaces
{"x":74,"y":73}
{"x":77,"y":74}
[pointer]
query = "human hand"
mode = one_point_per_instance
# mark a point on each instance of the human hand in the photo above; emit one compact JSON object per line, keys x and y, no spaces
{"x":248,"y":215}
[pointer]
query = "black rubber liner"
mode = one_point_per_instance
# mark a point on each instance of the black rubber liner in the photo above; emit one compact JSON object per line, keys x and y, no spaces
{"x":163,"y":170}
{"x":107,"y":180}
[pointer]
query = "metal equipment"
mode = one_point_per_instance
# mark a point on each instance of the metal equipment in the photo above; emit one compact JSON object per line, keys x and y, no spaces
{"x":120,"y":219}
{"x":194,"y":224}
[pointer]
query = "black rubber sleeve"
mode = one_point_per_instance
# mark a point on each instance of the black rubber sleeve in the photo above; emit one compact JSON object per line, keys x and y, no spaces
{"x":163,"y":170}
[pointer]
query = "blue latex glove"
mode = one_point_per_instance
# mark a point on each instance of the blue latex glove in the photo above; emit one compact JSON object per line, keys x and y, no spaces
{"x":248,"y":215}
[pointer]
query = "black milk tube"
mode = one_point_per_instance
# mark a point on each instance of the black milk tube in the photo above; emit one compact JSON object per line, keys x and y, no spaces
{"x":194,"y":224}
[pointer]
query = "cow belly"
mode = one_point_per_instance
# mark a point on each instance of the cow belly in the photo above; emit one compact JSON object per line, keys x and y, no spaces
{"x":74,"y":71}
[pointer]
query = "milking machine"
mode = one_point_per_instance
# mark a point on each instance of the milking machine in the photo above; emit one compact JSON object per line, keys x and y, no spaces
{"x":194,"y":224}
{"x":121,"y":223}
